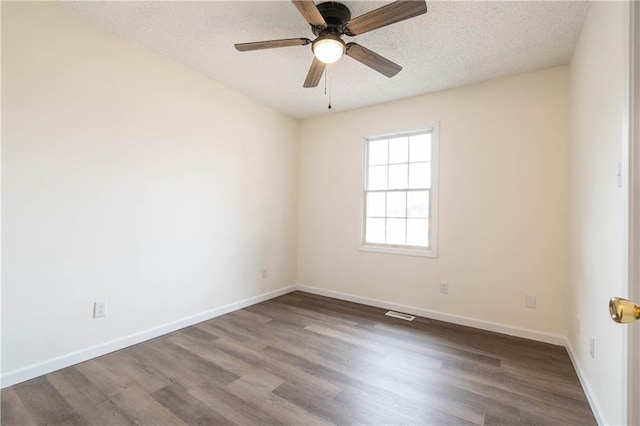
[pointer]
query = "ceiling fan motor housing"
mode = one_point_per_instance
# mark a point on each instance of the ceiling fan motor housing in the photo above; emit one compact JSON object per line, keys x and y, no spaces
{"x":336,"y":15}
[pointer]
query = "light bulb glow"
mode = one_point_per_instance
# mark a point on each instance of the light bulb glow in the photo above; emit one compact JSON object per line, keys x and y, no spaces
{"x":328,"y":48}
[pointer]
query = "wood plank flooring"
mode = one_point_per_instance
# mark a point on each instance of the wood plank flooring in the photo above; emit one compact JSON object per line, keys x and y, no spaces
{"x":306,"y":359}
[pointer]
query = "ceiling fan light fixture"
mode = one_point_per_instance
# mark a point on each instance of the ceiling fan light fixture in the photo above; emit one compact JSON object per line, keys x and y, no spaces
{"x":328,"y":48}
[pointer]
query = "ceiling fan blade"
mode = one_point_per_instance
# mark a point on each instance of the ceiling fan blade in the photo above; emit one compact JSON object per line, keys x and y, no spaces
{"x":271,"y":44}
{"x":385,"y":15}
{"x":315,"y":73}
{"x":310,"y":12}
{"x":372,"y":60}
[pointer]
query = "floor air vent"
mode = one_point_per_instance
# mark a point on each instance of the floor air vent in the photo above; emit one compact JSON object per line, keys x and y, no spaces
{"x":405,"y":317}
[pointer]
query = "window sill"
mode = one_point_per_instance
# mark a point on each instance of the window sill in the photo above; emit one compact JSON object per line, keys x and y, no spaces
{"x":399,"y":250}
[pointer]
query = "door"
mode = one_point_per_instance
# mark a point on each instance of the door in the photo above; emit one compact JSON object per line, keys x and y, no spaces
{"x":628,"y":312}
{"x":633,"y":405}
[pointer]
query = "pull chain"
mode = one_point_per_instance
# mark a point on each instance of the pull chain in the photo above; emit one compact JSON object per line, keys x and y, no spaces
{"x":325,"y":81}
{"x":329,"y":92}
{"x":327,"y":77}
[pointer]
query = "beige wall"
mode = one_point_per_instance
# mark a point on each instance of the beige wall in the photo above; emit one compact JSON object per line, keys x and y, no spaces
{"x":503,"y":202}
{"x":596,"y":262}
{"x":130,"y":178}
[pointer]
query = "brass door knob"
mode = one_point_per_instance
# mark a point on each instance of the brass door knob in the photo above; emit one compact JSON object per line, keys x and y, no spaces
{"x":623,"y":310}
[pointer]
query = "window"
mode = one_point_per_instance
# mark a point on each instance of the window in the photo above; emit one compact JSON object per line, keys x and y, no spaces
{"x":400,"y":193}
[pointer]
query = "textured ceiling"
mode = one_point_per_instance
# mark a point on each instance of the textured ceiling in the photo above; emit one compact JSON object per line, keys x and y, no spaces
{"x":454,"y":44}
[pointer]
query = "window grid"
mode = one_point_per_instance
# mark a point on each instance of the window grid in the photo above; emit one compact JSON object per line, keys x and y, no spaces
{"x":407,"y":189}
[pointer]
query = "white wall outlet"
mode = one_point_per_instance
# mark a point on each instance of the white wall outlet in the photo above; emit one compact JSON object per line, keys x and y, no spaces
{"x":530,"y":301}
{"x":100,"y":309}
{"x":444,"y":287}
{"x":577,"y":326}
{"x":592,"y":347}
{"x":265,"y":274}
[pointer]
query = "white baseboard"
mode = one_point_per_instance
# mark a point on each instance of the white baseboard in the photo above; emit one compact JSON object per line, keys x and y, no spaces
{"x":476,"y":323}
{"x":586,"y":386}
{"x":48,"y":366}
{"x":441,"y":316}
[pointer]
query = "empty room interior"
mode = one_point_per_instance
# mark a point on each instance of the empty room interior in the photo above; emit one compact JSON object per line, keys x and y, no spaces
{"x":295,"y":212}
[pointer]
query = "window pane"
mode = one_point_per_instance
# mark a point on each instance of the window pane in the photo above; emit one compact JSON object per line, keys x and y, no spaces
{"x":398,"y":176}
{"x":418,"y":232}
{"x":420,"y":148}
{"x":399,"y":150}
{"x":418,"y":204}
{"x":396,"y":204}
{"x":396,"y":231}
{"x":378,"y":151}
{"x":397,"y":193}
{"x":375,"y":231}
{"x":420,"y":175}
{"x":377,"y":177}
{"x":376,"y":204}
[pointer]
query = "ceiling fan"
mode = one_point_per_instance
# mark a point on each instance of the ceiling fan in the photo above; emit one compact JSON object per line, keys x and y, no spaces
{"x":331,"y":20}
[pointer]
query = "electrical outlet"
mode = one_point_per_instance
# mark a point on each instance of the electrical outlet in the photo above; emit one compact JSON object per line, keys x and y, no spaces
{"x":264,"y":273}
{"x":592,"y":347}
{"x":530,"y":301}
{"x":444,"y":287}
{"x":100,"y":309}
{"x":577,"y":326}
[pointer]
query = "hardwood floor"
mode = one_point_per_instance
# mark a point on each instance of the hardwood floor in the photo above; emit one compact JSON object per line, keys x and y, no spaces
{"x":306,"y":359}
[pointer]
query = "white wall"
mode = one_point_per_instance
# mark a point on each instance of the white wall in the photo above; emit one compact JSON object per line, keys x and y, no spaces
{"x":596,"y":242}
{"x":130,"y":178}
{"x":503,"y":202}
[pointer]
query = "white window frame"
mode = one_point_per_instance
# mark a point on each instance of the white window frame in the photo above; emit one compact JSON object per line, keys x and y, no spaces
{"x":432,"y":250}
